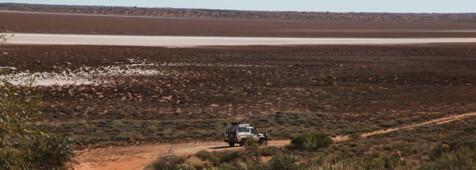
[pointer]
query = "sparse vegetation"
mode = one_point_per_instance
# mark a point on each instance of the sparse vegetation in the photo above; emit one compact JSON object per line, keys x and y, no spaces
{"x":310,"y":142}
{"x":253,"y":150}
{"x":4,"y":36}
{"x":193,"y":78}
{"x":281,"y":162}
{"x":404,"y":149}
{"x":169,"y":162}
{"x":285,"y":126}
{"x":22,"y":144}
{"x":458,"y":156}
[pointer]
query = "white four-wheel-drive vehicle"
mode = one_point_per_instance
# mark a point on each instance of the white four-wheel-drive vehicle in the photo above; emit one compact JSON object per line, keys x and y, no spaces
{"x":237,"y":133}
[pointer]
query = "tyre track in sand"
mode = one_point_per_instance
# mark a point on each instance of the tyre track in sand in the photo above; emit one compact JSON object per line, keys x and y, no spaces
{"x":137,"y":157}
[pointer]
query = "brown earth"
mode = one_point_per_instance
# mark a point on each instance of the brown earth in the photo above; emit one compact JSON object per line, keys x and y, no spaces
{"x":366,"y":83}
{"x":99,"y":24}
{"x":137,"y":157}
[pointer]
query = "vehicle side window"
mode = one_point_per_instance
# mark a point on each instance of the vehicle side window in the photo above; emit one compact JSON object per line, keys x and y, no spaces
{"x":232,"y":130}
{"x":243,"y":129}
{"x":253,"y":131}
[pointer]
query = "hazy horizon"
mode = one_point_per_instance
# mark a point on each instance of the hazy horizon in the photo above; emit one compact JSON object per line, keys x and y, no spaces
{"x":370,"y":6}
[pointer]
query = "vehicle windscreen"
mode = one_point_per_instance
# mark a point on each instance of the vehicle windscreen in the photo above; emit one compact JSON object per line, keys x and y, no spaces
{"x":230,"y":130}
{"x":243,"y":129}
{"x":253,"y":131}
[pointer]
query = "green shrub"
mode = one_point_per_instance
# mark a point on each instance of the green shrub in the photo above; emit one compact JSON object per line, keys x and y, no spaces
{"x":406,"y":153}
{"x":392,"y":161}
{"x":461,"y":156}
{"x":169,"y":163}
{"x":384,"y":162}
{"x":269,"y":151}
{"x":438,"y":151}
{"x":253,"y":150}
{"x":196,"y":163}
{"x":224,"y":166}
{"x":310,"y":142}
{"x":204,"y":155}
{"x":22,"y":144}
{"x":51,"y":152}
{"x":469,"y":129}
{"x":280,"y":162}
{"x":230,"y":156}
{"x":378,"y":163}
{"x":284,"y":162}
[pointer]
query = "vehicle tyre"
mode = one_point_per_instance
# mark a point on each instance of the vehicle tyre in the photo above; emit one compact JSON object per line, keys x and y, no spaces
{"x":231,"y":144}
{"x":261,"y":141}
{"x":243,"y":142}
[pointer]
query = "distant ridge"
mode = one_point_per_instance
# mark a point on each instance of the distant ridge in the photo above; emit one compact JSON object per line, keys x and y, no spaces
{"x":247,"y":15}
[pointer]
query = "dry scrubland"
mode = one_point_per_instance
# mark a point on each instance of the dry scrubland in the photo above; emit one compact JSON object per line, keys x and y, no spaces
{"x":132,"y":95}
{"x":330,"y":89}
{"x":253,"y":15}
{"x":432,"y":146}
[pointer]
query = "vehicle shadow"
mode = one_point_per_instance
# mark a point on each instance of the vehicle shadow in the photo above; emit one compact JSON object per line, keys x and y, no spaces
{"x":222,"y":147}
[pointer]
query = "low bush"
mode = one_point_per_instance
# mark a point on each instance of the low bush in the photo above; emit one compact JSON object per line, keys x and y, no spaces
{"x":204,"y":155}
{"x":383,"y":163}
{"x":460,"y":156}
{"x":196,"y":163}
{"x":22,"y":144}
{"x":51,"y":152}
{"x":231,"y":156}
{"x":224,"y":166}
{"x":269,"y":151}
{"x":169,"y":163}
{"x":284,"y":162}
{"x":253,"y":150}
{"x":310,"y":142}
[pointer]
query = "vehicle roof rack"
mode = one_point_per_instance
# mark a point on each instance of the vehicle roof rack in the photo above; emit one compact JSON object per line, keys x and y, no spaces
{"x":235,"y":123}
{"x":244,"y":125}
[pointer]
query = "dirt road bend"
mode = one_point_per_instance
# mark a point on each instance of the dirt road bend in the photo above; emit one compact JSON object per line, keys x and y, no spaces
{"x":137,"y":157}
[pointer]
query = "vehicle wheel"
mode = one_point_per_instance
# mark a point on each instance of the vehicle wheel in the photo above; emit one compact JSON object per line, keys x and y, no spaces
{"x":231,"y":144}
{"x":261,"y":141}
{"x":243,"y":142}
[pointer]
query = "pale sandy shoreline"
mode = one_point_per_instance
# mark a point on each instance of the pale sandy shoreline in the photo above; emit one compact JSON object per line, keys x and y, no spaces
{"x":196,"y":41}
